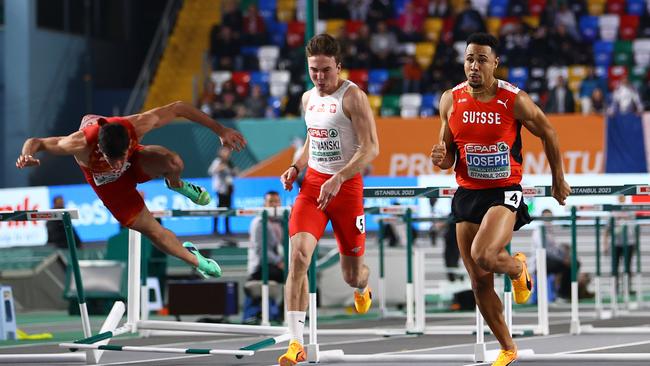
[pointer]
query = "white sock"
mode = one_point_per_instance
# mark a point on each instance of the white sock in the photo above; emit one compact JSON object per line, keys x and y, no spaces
{"x":296,"y":322}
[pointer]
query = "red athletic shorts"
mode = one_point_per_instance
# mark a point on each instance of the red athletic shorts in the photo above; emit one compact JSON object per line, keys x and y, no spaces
{"x":120,"y":196}
{"x":345,"y":211}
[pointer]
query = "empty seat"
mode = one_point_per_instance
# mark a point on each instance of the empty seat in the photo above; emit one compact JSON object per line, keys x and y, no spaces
{"x":608,"y":25}
{"x":334,"y":26}
{"x":279,"y":82}
{"x":641,"y":49}
{"x":219,"y":78}
{"x":629,"y":27}
{"x":639,"y":76}
{"x":429,"y":105}
{"x":295,"y":34}
{"x":614,"y":75}
{"x":409,"y":104}
{"x":375,"y":103}
{"x":623,"y":53}
{"x":359,"y":77}
{"x":535,"y":7}
{"x":596,"y":7}
{"x":275,"y":106}
{"x":268,"y":57}
{"x":260,"y":78}
{"x":277,"y":33}
{"x":390,"y":105}
{"x":241,"y":80}
{"x":353,"y":26}
{"x":493,"y":26}
{"x":286,"y":10}
{"x":603,"y":51}
{"x":636,"y":7}
{"x":433,"y":29}
{"x":616,"y":7}
{"x":588,"y":25}
{"x":424,"y":52}
{"x":498,"y":8}
{"x":377,"y":78}
{"x":518,"y":76}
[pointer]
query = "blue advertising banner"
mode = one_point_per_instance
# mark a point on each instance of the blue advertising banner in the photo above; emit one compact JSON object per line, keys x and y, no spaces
{"x":97,"y":224}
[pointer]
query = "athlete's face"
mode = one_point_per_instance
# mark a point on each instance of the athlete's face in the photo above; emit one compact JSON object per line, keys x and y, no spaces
{"x":324,"y":73}
{"x":115,"y":163}
{"x":480,"y":63}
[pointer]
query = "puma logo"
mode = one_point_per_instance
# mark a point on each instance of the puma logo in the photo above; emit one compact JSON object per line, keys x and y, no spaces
{"x":505,"y":105}
{"x":301,"y":322}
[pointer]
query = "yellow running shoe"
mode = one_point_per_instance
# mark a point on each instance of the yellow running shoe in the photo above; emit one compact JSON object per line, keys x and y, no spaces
{"x":522,"y":286}
{"x":506,"y":358}
{"x":295,"y":353}
{"x":363,"y":301}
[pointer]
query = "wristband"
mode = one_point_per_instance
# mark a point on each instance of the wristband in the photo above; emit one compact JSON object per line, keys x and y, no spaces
{"x":295,"y":167}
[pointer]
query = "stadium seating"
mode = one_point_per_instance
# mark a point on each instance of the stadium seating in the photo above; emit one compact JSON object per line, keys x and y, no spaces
{"x":409,"y":104}
{"x":629,"y":27}
{"x":268,"y":57}
{"x":588,"y":25}
{"x":390,"y":105}
{"x":623,"y":53}
{"x":428,"y":105}
{"x":377,"y":79}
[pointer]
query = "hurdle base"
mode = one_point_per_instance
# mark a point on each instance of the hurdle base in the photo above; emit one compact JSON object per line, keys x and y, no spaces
{"x":313,"y":352}
{"x":480,"y":352}
{"x":575,"y":327}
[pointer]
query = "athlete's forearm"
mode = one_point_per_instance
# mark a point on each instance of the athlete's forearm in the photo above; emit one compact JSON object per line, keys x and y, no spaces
{"x":364,"y":156}
{"x":553,"y":155}
{"x":32,"y":146}
{"x":185,"y":110}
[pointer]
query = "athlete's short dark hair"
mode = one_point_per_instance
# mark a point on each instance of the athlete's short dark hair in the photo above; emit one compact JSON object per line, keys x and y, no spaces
{"x":484,"y":39}
{"x":113,"y":140}
{"x":324,"y":44}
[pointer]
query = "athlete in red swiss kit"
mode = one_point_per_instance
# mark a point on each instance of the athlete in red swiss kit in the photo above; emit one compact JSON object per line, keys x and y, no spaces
{"x":481,"y":134}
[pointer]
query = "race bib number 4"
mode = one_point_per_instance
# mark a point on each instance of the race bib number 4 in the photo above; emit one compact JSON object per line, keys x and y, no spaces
{"x":488,"y":161}
{"x":325,"y":145}
{"x":108,"y":177}
{"x":512,"y":198}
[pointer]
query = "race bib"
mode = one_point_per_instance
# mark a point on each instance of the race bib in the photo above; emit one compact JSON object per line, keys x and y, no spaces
{"x":108,"y":177}
{"x":488,"y":161}
{"x":325,"y":145}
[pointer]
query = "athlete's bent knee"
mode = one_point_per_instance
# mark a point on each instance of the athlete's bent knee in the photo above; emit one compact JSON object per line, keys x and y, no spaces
{"x":299,"y":262}
{"x":487,"y":261}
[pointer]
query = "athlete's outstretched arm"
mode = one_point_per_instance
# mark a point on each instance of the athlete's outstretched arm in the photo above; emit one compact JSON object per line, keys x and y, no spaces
{"x":355,"y":105}
{"x":57,"y":145}
{"x":162,"y":116}
{"x":536,"y":122}
{"x":443,"y":154}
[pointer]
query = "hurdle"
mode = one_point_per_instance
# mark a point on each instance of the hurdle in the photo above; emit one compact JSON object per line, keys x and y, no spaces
{"x":589,"y":329}
{"x":478,"y":356}
{"x":137,"y":314}
{"x":66,"y":216}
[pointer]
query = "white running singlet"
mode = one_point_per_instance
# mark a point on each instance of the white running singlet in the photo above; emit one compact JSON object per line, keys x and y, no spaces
{"x":332,"y":139}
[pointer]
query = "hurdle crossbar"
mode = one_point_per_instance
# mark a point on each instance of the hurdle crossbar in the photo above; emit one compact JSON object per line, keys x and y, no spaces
{"x":195,"y":351}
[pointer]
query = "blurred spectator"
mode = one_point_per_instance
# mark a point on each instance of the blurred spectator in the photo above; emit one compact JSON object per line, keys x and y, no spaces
{"x":223,"y":173}
{"x":558,"y":256}
{"x":254,"y":29}
{"x":56,"y":231}
{"x":517,"y":8}
{"x":563,"y":48}
{"x":273,"y":245}
{"x":539,"y":49}
{"x":438,"y":8}
{"x":514,"y":44}
{"x":410,"y":24}
{"x":227,"y":107}
{"x":598,"y":102}
{"x":565,"y":17}
{"x":232,"y":17}
{"x":560,"y":99}
{"x":225,"y":51}
{"x":379,"y":11}
{"x":256,"y":103}
{"x":468,"y":21}
{"x":333,"y":9}
{"x":358,"y":9}
{"x":208,"y":98}
{"x":382,"y":44}
{"x":623,"y":241}
{"x":411,"y":76}
{"x":357,"y":52}
{"x":587,"y":86}
{"x":625,"y":99}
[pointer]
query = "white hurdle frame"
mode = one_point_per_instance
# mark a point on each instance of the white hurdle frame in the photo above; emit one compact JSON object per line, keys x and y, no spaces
{"x":65,"y":215}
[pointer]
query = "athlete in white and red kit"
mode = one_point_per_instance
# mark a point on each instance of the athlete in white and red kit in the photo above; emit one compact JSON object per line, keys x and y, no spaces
{"x":341,"y":142}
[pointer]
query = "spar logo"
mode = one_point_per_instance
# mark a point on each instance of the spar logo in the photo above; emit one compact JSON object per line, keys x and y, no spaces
{"x":24,"y":205}
{"x":333,"y":133}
